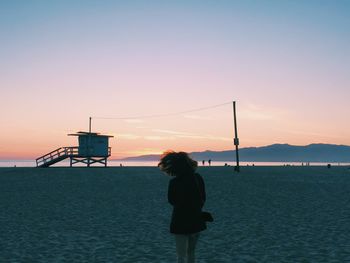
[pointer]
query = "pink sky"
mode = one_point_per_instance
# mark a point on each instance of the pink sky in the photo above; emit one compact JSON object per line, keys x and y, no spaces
{"x":286,"y":64}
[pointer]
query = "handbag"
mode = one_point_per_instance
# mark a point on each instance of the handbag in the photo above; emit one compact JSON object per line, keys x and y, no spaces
{"x":206,"y":216}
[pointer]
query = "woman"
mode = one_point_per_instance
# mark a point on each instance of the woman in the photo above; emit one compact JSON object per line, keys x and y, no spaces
{"x":186,"y":193}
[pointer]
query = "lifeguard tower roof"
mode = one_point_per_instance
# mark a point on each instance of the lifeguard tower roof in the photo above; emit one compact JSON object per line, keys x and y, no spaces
{"x":82,"y":133}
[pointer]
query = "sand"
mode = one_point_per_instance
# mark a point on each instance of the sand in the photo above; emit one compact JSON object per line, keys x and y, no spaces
{"x":264,"y":214}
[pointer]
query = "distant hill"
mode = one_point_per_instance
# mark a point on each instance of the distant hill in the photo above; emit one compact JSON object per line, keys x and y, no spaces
{"x":271,"y":153}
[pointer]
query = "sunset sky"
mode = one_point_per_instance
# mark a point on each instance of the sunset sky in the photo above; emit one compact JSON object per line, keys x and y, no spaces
{"x":286,"y":63}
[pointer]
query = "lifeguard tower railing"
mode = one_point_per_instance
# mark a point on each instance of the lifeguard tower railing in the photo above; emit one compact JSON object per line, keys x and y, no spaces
{"x":63,"y":153}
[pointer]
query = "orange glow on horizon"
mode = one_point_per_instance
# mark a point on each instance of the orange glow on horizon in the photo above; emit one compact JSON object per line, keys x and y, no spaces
{"x":208,"y":130}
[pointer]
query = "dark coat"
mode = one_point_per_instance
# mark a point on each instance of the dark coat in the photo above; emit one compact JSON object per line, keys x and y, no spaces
{"x":186,"y":194}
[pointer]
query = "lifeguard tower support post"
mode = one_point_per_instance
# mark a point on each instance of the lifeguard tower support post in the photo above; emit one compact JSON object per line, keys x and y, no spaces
{"x":93,"y":148}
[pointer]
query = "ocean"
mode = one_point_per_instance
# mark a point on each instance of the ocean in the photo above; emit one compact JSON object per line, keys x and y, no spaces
{"x":113,"y":163}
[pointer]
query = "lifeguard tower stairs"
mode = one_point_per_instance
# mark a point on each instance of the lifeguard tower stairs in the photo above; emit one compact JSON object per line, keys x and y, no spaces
{"x":93,"y":149}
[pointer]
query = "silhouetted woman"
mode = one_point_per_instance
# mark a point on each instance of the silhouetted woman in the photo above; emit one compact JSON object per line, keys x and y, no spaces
{"x":186,"y":193}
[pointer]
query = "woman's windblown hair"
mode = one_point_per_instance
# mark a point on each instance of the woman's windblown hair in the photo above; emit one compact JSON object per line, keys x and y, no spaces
{"x":177,"y":163}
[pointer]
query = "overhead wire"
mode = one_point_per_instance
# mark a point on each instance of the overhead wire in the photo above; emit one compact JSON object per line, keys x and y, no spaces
{"x":161,"y":115}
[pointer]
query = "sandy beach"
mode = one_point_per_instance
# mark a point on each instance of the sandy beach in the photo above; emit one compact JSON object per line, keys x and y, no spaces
{"x":121,"y":214}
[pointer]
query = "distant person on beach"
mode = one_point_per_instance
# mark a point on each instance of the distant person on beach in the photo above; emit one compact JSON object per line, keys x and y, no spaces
{"x":203,"y":162}
{"x":209,"y":162}
{"x":186,"y":193}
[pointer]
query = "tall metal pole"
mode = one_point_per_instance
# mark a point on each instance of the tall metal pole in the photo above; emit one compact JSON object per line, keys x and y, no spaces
{"x":236,"y":140}
{"x":89,"y":144}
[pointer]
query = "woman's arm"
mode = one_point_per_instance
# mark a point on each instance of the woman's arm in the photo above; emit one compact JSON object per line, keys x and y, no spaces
{"x":171,"y":193}
{"x":176,"y":195}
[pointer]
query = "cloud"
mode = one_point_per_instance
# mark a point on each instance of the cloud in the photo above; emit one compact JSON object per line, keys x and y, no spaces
{"x":171,"y":135}
{"x":128,"y":136}
{"x":142,"y":151}
{"x":205,"y":137}
{"x":134,"y":121}
{"x":197,"y":117}
{"x":158,"y":138}
{"x":171,"y":132}
{"x":187,"y":135}
{"x":256,"y":112}
{"x":313,"y":134}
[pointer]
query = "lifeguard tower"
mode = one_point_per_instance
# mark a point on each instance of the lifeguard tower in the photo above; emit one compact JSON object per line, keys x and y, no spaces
{"x":93,"y":148}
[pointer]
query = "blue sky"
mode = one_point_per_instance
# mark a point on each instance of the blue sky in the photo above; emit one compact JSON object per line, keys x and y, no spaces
{"x":285,"y":62}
